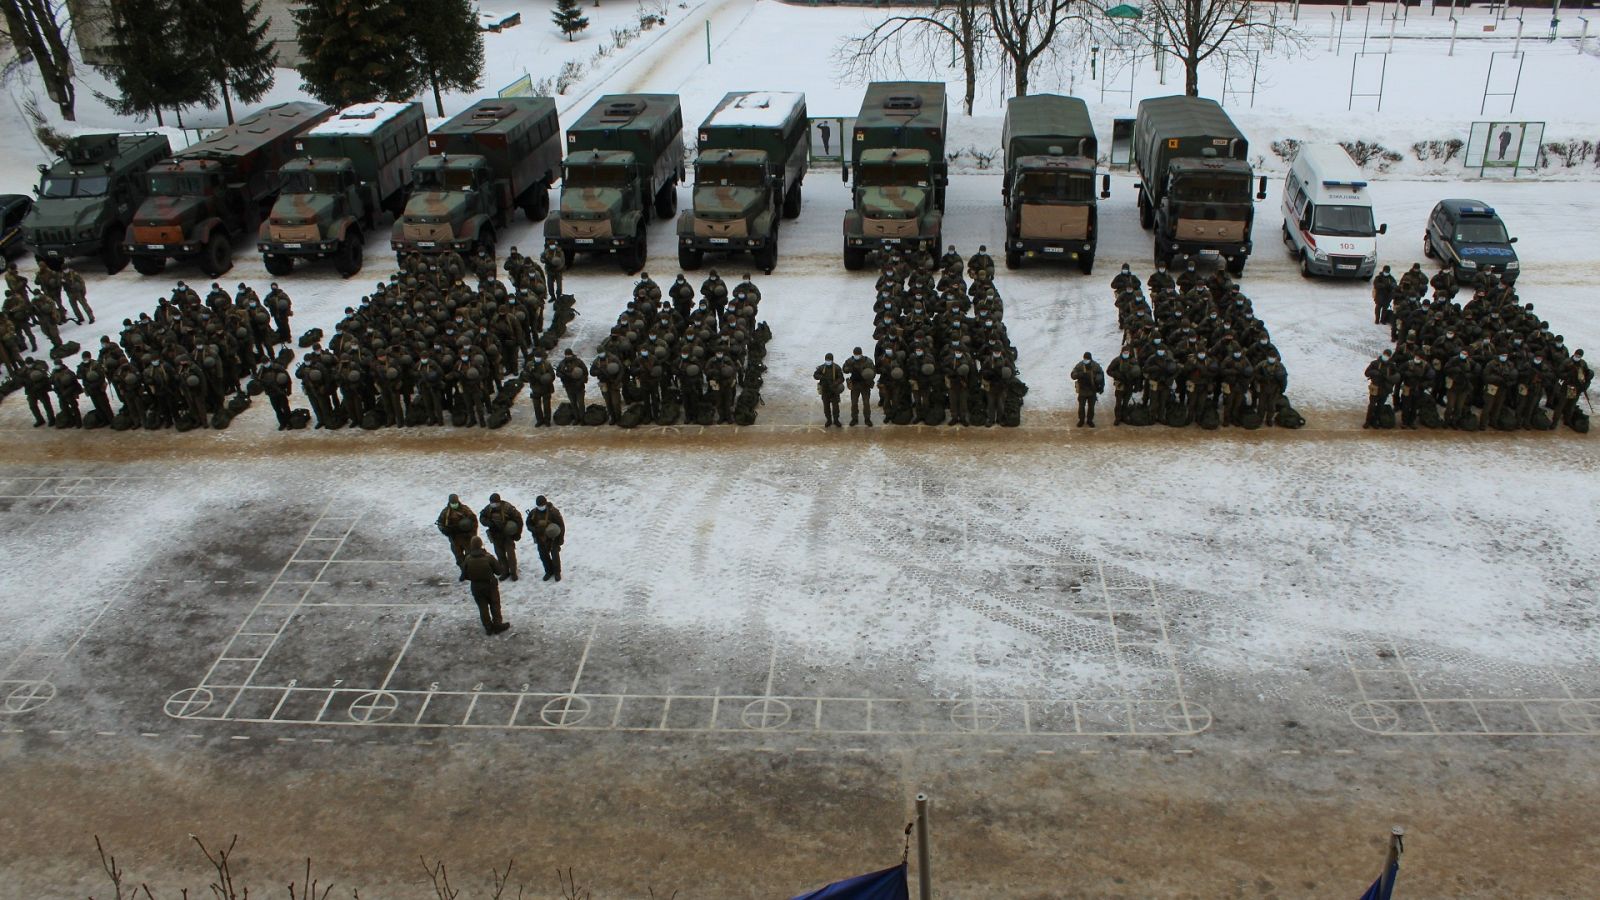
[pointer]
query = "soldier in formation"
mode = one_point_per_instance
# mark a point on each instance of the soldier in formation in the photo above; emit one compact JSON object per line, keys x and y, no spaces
{"x":1089,"y":381}
{"x":674,"y":356}
{"x":1490,"y":362}
{"x":1193,"y":351}
{"x":941,"y":351}
{"x":830,"y":387}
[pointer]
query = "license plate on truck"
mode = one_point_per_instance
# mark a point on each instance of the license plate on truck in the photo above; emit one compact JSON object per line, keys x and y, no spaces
{"x":426,"y":244}
{"x":891,"y":240}
{"x":291,"y":246}
{"x":583,"y":240}
{"x":1055,"y":249}
{"x":719,"y":240}
{"x":152,"y":246}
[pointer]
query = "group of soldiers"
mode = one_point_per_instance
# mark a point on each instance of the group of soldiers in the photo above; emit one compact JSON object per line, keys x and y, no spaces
{"x":940,"y":353}
{"x":445,"y":339}
{"x":504,"y":525}
{"x":688,"y":354}
{"x":43,"y":306}
{"x":181,"y":365}
{"x":1193,"y":352}
{"x":1490,"y":362}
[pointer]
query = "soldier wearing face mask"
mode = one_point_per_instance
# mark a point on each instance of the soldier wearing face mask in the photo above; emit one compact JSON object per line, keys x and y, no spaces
{"x":457,"y":523}
{"x":1128,"y":377}
{"x":859,"y":373}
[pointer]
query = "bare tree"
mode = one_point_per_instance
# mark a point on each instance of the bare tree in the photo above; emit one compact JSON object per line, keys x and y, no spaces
{"x":34,"y":28}
{"x":1199,"y":30}
{"x":959,"y":24}
{"x":1025,"y":31}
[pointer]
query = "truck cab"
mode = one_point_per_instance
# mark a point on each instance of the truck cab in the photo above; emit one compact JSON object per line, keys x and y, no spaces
{"x":452,"y":207}
{"x":1327,"y":214}
{"x":736,"y":207}
{"x":190,"y":211}
{"x":1468,"y":236}
{"x":1051,"y":209}
{"x":321,"y":210}
{"x":603,"y":206}
{"x":87,"y":198}
{"x":893,"y":204}
{"x":1208,"y":210}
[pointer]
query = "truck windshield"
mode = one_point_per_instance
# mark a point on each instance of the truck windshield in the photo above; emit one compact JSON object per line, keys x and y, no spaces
{"x":445,"y":180}
{"x":86,"y":186}
{"x":1211,"y":188}
{"x":597,"y":176}
{"x":1055,"y":187}
{"x":730,"y":176}
{"x":176,"y":185}
{"x":1480,"y":231}
{"x":1345,"y":221}
{"x":311,"y":183}
{"x":890,"y":175}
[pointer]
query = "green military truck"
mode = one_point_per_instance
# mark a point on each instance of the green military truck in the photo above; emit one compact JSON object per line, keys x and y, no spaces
{"x":897,"y":157}
{"x":752,"y":161}
{"x":350,"y":168}
{"x":216,"y":191}
{"x":1050,"y":154}
{"x":1194,"y":180}
{"x":496,"y":156}
{"x":87,"y":198}
{"x":624,"y":155}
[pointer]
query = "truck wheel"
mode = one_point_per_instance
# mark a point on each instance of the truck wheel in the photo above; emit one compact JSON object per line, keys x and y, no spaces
{"x":149,"y":265}
{"x":1427,"y":247}
{"x":1161,"y":258}
{"x":1236,"y":265}
{"x":538,"y":205}
{"x":1013,"y":259}
{"x":938,"y":198}
{"x":277,"y":264}
{"x":767,"y":257}
{"x":351,"y":253}
{"x":1086,"y":264}
{"x":855,"y":259}
{"x":112,"y":255}
{"x":791,"y":203}
{"x":218,"y":256}
{"x":1147,"y":216}
{"x":667,"y":201}
{"x":690,"y":259}
{"x":633,"y":258}
{"x":486,"y":240}
{"x":1305,"y":265}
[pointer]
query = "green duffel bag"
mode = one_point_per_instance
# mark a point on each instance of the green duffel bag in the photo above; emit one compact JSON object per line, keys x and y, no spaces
{"x":1178,"y":416}
{"x":631,"y":417}
{"x":1578,"y":421}
{"x":1385,"y":416}
{"x":594,"y":414}
{"x":1137,"y":415}
{"x":563,"y":414}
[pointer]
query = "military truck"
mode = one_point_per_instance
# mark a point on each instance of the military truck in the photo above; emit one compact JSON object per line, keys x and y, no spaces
{"x":492,"y":158}
{"x":351,"y":168}
{"x":87,"y":197}
{"x":624,"y":155}
{"x":897,"y":155}
{"x":1194,"y":180}
{"x":751,"y":164}
{"x":215,"y":191}
{"x":1048,"y":191}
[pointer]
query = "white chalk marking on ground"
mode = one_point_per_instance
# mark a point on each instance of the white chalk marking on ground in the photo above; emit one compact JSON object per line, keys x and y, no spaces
{"x":402,"y":655}
{"x":106,"y":733}
{"x":59,"y":731}
{"x":149,"y":734}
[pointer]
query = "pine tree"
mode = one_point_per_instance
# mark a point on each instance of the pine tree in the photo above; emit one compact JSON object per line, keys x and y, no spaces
{"x":569,"y":18}
{"x":227,"y":40}
{"x":448,"y":44}
{"x":356,"y":50}
{"x":149,"y":69}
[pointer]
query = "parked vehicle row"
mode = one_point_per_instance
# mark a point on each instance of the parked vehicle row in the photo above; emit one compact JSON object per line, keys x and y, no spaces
{"x":313,"y":183}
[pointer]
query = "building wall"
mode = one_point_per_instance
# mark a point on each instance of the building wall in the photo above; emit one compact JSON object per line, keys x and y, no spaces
{"x":88,"y":17}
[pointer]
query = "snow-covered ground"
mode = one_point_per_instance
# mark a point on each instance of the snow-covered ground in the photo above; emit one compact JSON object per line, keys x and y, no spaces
{"x":1043,"y":584}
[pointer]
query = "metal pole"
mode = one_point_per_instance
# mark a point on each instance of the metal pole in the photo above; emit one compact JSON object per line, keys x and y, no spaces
{"x":1453,"y":26}
{"x":1555,"y":19}
{"x":1392,"y":23}
{"x":924,"y":874}
{"x":1332,"y":18}
{"x":708,"y":42}
{"x":1517,"y":49}
{"x":1341,"y":36}
{"x":1348,"y":5}
{"x":1295,"y":7}
{"x":1365,"y":27}
{"x":1582,"y":38}
{"x":1255,"y":76}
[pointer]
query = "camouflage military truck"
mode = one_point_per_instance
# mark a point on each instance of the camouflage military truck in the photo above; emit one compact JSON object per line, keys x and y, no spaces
{"x":1048,"y":191}
{"x":623,"y":156}
{"x":1194,"y":180}
{"x":351,"y":167}
{"x":214,"y":192}
{"x":897,"y":156}
{"x":751,"y":163}
{"x":87,"y":198}
{"x":497,"y":155}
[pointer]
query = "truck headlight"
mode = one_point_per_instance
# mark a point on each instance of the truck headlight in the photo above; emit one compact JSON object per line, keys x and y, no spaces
{"x":1468,"y":264}
{"x":1513,"y":266}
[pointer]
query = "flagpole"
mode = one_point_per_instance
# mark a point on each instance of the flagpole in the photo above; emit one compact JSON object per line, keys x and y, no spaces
{"x":1390,"y":868}
{"x":924,"y":875}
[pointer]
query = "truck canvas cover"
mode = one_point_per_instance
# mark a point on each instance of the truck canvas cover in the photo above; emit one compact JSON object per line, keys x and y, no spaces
{"x":1038,"y":122}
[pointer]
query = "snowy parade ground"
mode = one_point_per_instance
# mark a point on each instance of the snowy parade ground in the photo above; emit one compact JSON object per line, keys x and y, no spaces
{"x":1123,"y":662}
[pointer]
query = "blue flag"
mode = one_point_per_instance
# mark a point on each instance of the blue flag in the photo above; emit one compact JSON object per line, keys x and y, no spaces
{"x":1383,"y":888}
{"x":890,"y":884}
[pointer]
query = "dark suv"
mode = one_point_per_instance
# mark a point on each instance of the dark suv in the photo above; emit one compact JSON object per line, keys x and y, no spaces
{"x":13,"y":209}
{"x":1467,"y":236}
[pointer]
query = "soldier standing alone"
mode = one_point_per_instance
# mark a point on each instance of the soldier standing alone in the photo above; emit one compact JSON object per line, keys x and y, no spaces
{"x":549,"y":533}
{"x":457,"y":523}
{"x":830,"y":384}
{"x":482,"y":572}
{"x":1090,"y":381}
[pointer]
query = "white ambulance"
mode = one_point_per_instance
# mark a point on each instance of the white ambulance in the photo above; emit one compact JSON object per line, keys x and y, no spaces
{"x":1327,"y":214}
